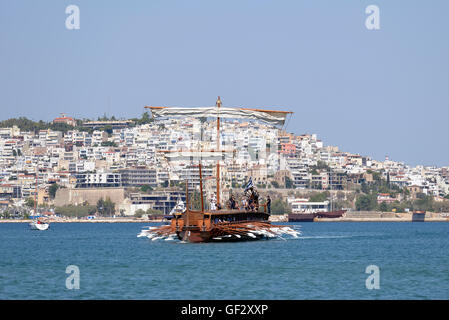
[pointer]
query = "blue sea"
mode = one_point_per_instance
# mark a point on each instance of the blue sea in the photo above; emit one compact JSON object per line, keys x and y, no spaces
{"x":328,"y":261}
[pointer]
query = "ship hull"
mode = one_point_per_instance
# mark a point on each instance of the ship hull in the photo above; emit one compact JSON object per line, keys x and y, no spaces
{"x":309,"y":217}
{"x":217,"y":226}
{"x":301,"y":217}
{"x":195,"y":236}
{"x":330,"y":214}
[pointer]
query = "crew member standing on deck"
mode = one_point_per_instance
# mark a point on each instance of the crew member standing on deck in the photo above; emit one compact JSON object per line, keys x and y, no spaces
{"x":268,"y":204}
{"x":212,"y":203}
{"x":244,"y":203}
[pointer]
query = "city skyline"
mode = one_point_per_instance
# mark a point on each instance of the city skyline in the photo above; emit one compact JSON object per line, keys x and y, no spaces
{"x":371,"y":92}
{"x":284,"y":128}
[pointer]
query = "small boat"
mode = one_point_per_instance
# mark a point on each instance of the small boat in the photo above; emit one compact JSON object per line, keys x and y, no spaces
{"x":178,"y":208}
{"x":39,"y":225}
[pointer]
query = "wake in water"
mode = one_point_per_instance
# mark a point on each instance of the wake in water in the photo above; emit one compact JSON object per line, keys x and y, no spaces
{"x":224,"y":232}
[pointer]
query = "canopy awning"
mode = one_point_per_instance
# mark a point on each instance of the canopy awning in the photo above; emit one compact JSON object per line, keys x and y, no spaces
{"x":194,"y":155}
{"x":273,"y":117}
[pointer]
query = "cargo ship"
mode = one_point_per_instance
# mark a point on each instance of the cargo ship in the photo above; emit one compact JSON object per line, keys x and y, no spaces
{"x":222,"y":221}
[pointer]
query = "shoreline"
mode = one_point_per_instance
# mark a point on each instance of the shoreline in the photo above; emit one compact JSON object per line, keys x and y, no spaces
{"x":276,"y":218}
{"x":378,"y":220}
{"x":85,"y":221}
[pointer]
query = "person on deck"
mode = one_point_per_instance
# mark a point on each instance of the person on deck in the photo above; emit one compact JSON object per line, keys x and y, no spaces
{"x":256,"y":200}
{"x":269,"y":204}
{"x":213,"y":203}
{"x":232,"y":202}
{"x":244,"y":204}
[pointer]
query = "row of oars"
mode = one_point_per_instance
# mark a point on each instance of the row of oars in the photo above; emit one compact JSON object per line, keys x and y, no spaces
{"x":163,"y":231}
{"x":225,"y":230}
{"x":155,"y":233}
{"x":244,"y":229}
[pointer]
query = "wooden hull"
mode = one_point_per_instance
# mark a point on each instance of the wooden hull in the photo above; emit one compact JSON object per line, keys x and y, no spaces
{"x":205,"y":226}
{"x":197,"y":236}
{"x":301,"y":217}
{"x":330,"y":214}
{"x":223,"y":226}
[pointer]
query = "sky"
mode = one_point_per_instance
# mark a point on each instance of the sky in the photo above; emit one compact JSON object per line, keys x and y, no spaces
{"x":372,"y":92}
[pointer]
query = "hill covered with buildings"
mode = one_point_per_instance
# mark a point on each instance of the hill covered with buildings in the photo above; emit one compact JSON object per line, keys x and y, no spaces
{"x":140,"y":166}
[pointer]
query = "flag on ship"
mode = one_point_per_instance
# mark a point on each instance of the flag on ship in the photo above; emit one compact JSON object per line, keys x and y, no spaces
{"x":250,"y":184}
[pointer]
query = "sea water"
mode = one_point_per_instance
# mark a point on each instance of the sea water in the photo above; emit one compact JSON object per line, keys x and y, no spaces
{"x":327,"y":261}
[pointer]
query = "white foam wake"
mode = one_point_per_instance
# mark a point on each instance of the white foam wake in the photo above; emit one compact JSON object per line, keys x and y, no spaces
{"x":257,"y":232}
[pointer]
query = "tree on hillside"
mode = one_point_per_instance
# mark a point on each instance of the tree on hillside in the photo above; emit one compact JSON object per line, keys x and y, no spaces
{"x":423,"y":202}
{"x":146,"y":188}
{"x":29,"y":202}
{"x":52,"y":190}
{"x":366,"y":202}
{"x":319,"y":196}
{"x":145,"y":119}
{"x":153,"y":212}
{"x":139,"y":213}
{"x":105,"y":207}
{"x":288,"y":183}
{"x":383,"y":207}
{"x":75,"y":211}
{"x":275,"y":184}
{"x":63,"y":127}
{"x":108,"y":144}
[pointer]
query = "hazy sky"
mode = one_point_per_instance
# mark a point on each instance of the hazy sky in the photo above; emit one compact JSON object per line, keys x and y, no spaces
{"x":373,"y":92}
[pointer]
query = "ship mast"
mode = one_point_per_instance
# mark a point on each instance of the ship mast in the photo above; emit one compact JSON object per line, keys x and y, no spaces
{"x":272,"y":117}
{"x":218,"y":104}
{"x":187,"y":204}
{"x":35,"y":193}
{"x":201,"y":188}
{"x":330,"y":183}
{"x":200,"y":171}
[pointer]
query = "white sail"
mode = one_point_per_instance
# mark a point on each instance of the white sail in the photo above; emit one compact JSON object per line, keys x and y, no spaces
{"x":267,"y":116}
{"x":194,"y":155}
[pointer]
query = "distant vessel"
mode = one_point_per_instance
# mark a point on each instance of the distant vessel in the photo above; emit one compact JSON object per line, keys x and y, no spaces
{"x":38,"y":224}
{"x":301,"y":217}
{"x":310,"y":217}
{"x":216,"y":224}
{"x":305,"y":211}
{"x":330,"y":214}
{"x":179,"y":208}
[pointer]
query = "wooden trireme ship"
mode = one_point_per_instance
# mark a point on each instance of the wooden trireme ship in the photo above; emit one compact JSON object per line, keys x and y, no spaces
{"x":249,"y":222}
